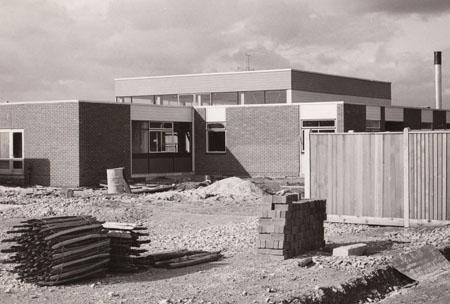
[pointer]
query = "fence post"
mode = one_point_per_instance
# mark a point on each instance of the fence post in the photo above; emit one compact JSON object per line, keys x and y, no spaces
{"x":406,"y":177}
{"x":307,"y":163}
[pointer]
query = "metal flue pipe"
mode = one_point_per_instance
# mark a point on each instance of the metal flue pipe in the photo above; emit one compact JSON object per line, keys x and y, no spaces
{"x":438,"y":79}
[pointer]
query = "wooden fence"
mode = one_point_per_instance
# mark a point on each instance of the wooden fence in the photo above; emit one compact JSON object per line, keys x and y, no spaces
{"x":389,"y":178}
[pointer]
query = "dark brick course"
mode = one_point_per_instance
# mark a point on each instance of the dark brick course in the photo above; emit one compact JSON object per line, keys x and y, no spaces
{"x":104,"y":140}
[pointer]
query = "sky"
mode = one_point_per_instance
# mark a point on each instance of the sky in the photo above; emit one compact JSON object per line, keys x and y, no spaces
{"x":73,"y":49}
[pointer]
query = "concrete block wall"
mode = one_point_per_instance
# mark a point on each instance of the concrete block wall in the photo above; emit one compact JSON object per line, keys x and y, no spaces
{"x":104,"y":140}
{"x":288,"y":227}
{"x":51,"y":140}
{"x":260,"y":141}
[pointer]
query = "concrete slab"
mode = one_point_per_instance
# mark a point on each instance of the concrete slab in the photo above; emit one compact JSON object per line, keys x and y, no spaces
{"x":354,"y":249}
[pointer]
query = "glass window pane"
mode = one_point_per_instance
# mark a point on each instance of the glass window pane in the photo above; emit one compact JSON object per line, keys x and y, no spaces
{"x":17,"y":145}
{"x":326,"y":123}
{"x":254,"y":97}
{"x":216,"y":126}
{"x":310,"y":123}
{"x":216,"y":141}
{"x":18,"y":164}
{"x":186,"y":100}
{"x":170,"y":100}
{"x":155,"y":141}
{"x":205,"y":99}
{"x":275,"y":96}
{"x":4,"y":145}
{"x":229,"y":98}
{"x":4,"y":164}
{"x":143,"y":99}
{"x":140,"y":136}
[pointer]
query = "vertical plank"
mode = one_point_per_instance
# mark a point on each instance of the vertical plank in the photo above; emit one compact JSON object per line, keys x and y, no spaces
{"x":435,"y":176}
{"x":406,"y":177}
{"x":307,"y":170}
{"x":445,"y":200}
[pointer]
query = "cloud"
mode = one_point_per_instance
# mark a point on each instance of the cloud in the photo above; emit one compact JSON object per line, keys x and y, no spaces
{"x":401,"y":7}
{"x":60,"y":49}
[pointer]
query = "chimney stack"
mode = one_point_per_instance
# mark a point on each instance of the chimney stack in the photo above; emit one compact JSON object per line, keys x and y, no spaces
{"x":438,"y":79}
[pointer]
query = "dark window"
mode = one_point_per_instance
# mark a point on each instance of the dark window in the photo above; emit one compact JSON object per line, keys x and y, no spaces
{"x":205,"y":99}
{"x":318,"y":123}
{"x":228,"y":98}
{"x":186,"y":100}
{"x":373,"y":125}
{"x":140,"y":134}
{"x":17,"y":145}
{"x":278,"y":96}
{"x":427,"y":126}
{"x":216,"y":138}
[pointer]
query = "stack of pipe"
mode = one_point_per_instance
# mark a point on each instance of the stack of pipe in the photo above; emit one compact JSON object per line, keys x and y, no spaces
{"x":125,"y":240}
{"x":58,"y":250}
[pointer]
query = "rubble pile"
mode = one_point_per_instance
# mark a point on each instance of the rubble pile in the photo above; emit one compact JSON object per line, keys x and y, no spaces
{"x":437,"y":236}
{"x":349,"y":262}
{"x":125,"y":246}
{"x":58,"y":250}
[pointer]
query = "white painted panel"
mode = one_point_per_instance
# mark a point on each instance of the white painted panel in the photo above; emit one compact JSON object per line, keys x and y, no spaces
{"x":427,"y":116}
{"x":318,"y":111}
{"x":373,"y":113}
{"x":303,"y":96}
{"x":216,"y":114}
{"x":201,"y":83}
{"x":160,"y":113}
{"x":447,"y":116}
{"x":393,"y":114}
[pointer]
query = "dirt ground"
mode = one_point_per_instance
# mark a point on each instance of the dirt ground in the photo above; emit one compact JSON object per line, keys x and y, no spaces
{"x":194,"y":219}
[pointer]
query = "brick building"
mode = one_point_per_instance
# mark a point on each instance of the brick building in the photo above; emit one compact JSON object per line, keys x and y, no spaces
{"x":243,"y":123}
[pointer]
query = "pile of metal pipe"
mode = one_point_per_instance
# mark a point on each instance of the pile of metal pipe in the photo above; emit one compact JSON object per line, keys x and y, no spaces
{"x":125,"y":242}
{"x":58,"y":250}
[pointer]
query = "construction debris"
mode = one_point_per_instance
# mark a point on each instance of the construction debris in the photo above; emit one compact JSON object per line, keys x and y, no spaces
{"x":125,"y":245}
{"x":116,"y":181}
{"x":58,"y":250}
{"x":184,"y":258}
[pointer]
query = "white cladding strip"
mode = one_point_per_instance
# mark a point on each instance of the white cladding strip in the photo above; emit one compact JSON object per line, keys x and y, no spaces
{"x":393,"y":114}
{"x":203,"y":83}
{"x":216,"y":114}
{"x":318,"y":111}
{"x":373,"y":113}
{"x":303,"y":96}
{"x":160,"y":113}
{"x":427,"y":116}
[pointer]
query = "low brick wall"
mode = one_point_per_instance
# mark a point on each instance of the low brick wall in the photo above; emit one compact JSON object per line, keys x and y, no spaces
{"x":288,"y":227}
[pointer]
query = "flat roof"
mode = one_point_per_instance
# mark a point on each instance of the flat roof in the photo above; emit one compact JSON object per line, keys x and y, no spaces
{"x":24,"y":102}
{"x":241,"y":72}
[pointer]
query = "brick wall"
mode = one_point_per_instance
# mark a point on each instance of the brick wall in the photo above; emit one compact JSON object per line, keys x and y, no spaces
{"x":288,"y":227}
{"x":412,"y":118}
{"x":104,"y":140}
{"x":354,"y":117}
{"x":50,"y":140}
{"x":439,"y":120}
{"x":259,"y":140}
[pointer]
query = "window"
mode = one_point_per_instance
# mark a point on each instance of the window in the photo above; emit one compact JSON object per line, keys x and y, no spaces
{"x":140,"y":133}
{"x":163,"y":139}
{"x":278,"y":96}
{"x":11,"y":151}
{"x":317,"y":126}
{"x":373,"y":125}
{"x":205,"y":99}
{"x":186,"y":100}
{"x":228,"y":98}
{"x":168,"y":100}
{"x":254,"y":97}
{"x":215,"y":137}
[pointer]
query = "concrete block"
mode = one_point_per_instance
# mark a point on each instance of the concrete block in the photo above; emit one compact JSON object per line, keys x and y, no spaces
{"x":354,"y":249}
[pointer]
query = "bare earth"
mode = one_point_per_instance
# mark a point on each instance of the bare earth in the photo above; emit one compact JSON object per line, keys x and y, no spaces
{"x":194,"y":220}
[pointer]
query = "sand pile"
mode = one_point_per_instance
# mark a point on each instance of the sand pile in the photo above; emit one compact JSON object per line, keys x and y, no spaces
{"x":231,"y":186}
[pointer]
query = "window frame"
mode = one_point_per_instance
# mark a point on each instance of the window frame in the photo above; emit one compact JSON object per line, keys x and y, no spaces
{"x":11,"y":157}
{"x":162,"y":134}
{"x":316,"y":129}
{"x":224,"y":130}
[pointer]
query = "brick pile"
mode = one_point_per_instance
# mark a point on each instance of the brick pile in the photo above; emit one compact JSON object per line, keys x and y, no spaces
{"x":289,"y":227}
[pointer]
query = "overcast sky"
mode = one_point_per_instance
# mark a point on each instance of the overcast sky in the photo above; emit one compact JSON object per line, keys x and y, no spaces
{"x":73,"y":49}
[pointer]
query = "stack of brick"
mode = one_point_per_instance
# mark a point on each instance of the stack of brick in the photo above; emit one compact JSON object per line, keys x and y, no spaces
{"x":289,"y":226}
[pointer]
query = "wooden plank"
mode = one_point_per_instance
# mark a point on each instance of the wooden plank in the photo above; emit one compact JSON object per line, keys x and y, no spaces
{"x":379,"y":168}
{"x":367,"y":220}
{"x":412,"y":162}
{"x":445,"y":192}
{"x":406,"y":177}
{"x":307,"y":170}
{"x":340,"y":174}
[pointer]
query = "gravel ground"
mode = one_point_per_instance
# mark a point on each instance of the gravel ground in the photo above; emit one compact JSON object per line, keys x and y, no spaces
{"x":194,"y":219}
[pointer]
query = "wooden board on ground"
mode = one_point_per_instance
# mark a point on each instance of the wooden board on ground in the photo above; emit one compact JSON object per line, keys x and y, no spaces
{"x":421,"y":263}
